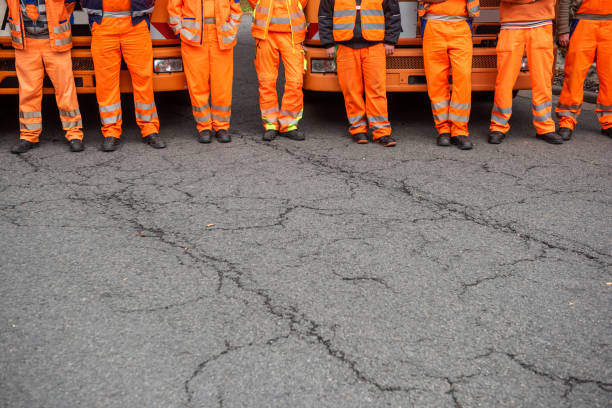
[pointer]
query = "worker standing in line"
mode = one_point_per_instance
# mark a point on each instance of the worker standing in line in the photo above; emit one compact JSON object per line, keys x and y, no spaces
{"x":446,"y":29}
{"x":207,"y":30}
{"x":591,"y":40}
{"x":279,"y":27}
{"x":365,"y":32}
{"x":42,"y":37}
{"x":525,"y":26}
{"x":120,"y":27}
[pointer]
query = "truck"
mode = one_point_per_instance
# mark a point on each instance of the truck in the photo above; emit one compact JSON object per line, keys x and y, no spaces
{"x":405,"y":69}
{"x":167,"y":62}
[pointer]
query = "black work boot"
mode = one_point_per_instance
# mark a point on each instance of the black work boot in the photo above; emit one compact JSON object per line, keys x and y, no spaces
{"x":205,"y":136}
{"x":294,"y":135}
{"x":360,"y":138}
{"x":76,"y":145}
{"x":110,"y":144}
{"x":444,"y":139}
{"x":462,"y":142}
{"x":154,"y":140}
{"x":386,"y":141}
{"x":607,"y":132}
{"x":222,"y":136}
{"x":269,"y":135}
{"x":551,"y":137}
{"x":565,"y":133}
{"x":22,"y":146}
{"x":496,"y":137}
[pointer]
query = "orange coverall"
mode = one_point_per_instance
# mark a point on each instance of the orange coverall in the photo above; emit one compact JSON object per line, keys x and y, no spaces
{"x":447,"y":45}
{"x":279,"y":27}
{"x":208,"y":31}
{"x":114,"y":37}
{"x":525,"y":28}
{"x":591,"y":39}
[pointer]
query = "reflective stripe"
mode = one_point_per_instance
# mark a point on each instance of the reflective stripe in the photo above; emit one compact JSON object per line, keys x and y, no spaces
{"x":358,"y":124}
{"x":174,"y":20}
{"x":347,"y":26}
{"x":30,"y":126}
{"x":462,"y":106}
{"x":200,"y":109}
{"x":61,"y":28}
{"x":126,"y":13}
{"x":286,"y":121}
{"x":373,"y":26}
{"x":70,"y":114}
{"x":443,"y":17}
{"x":604,"y":107}
{"x":458,"y":118}
{"x":297,"y":14}
{"x":16,"y":39}
{"x":63,"y":41}
{"x":356,"y":118}
{"x":202,"y":119}
{"x":229,"y":39}
{"x":377,"y":119}
{"x":221,"y":108}
{"x":111,"y":119}
{"x":299,"y":27}
{"x":220,"y":118}
{"x":207,"y":20}
{"x":146,"y":118}
{"x":193,"y":24}
{"x":279,"y":20}
{"x":260,"y":23}
{"x":270,"y":110}
{"x":29,"y":115}
{"x":441,"y":117}
{"x":499,"y":119}
{"x":93,"y":11}
{"x":599,"y":17}
{"x":571,"y":107}
{"x":226,"y":27}
{"x":144,"y":106}
{"x":262,"y":10}
{"x":503,"y":111}
{"x":110,"y":108}
{"x":372,"y":12}
{"x":176,"y":28}
{"x":235,"y":16}
{"x":68,"y":125}
{"x":344,"y":13}
{"x":15,"y":27}
{"x":567,"y":114}
{"x":189,"y":36}
{"x":142,"y":12}
{"x":289,"y":113}
{"x":378,"y":126}
{"x":542,"y":106}
{"x":542,"y":118}
{"x":439,"y":105}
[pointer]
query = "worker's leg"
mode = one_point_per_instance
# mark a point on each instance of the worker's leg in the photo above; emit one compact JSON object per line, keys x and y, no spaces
{"x":460,"y":53}
{"x":292,"y":106}
{"x":375,"y":83}
{"x":266,"y":66}
{"x":196,"y":63}
{"x":540,"y":56}
{"x":350,"y":77}
{"x":437,"y":66}
{"x":30,"y":73}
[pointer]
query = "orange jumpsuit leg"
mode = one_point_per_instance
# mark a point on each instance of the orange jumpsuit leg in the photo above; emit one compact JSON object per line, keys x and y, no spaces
{"x":437,"y":67}
{"x":292,"y":106}
{"x":106,"y":54}
{"x":266,"y":66}
{"x":30,"y":73}
{"x":221,"y":78}
{"x":137,"y":51}
{"x":510,"y":50}
{"x":350,"y":77}
{"x":373,"y":64}
{"x":197,"y":64}
{"x":59,"y":68}
{"x":460,"y":53}
{"x":604,"y":71}
{"x":578,"y":61}
{"x":540,"y":56}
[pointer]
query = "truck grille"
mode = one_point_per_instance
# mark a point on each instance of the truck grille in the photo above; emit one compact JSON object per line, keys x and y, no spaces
{"x":478,"y":61}
{"x":78,"y":64}
{"x":489,"y":3}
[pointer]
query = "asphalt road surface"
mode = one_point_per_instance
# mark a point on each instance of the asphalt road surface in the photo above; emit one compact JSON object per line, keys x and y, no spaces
{"x":305,"y":274}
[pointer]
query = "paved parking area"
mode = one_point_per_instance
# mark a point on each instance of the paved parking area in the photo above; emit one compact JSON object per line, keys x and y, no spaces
{"x":305,"y":274}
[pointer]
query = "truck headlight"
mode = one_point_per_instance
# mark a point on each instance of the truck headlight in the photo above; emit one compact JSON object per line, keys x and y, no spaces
{"x":322,"y":66}
{"x":168,"y":65}
{"x":524,"y":65}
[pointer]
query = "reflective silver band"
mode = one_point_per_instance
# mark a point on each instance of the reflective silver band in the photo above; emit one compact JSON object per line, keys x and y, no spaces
{"x":144,"y":106}
{"x":372,"y":12}
{"x":373,"y":26}
{"x":567,"y":114}
{"x":207,"y":20}
{"x":542,"y":118}
{"x":458,"y":118}
{"x":443,"y":17}
{"x":30,"y":126}
{"x":356,"y":119}
{"x":221,"y":108}
{"x":193,"y":24}
{"x":146,"y":118}
{"x":542,"y":106}
{"x":279,"y":20}
{"x":220,"y":118}
{"x":142,"y":12}
{"x":229,"y":39}
{"x":174,"y":20}
{"x":202,"y":119}
{"x":126,"y":13}
{"x":200,"y":109}
{"x":29,"y":115}
{"x":110,"y":108}
{"x":499,"y":119}
{"x":189,"y":36}
{"x":111,"y":119}
{"x":61,"y":28}
{"x":70,"y":114}
{"x":93,"y":12}
{"x":69,"y":125}
{"x":262,"y":10}
{"x":344,"y":13}
{"x":378,"y":119}
{"x":379,"y":126}
{"x":462,"y":106}
{"x":569,"y":107}
{"x":235,"y":16}
{"x":598,"y":17}
{"x":270,"y":110}
{"x":439,"y":105}
{"x":604,"y":107}
{"x":291,"y":114}
{"x":503,"y":111}
{"x":358,"y":124}
{"x":441,"y":117}
{"x":260,"y":23}
{"x":63,"y":41}
{"x":298,"y":27}
{"x":15,"y":27}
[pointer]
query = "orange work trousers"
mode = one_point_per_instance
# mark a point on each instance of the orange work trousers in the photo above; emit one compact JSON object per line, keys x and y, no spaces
{"x":590,"y":40}
{"x":31,"y":64}
{"x":110,"y":39}
{"x":266,"y":64}
{"x":511,"y":47}
{"x":448,"y":45}
{"x":209,"y":71}
{"x":362,"y":70}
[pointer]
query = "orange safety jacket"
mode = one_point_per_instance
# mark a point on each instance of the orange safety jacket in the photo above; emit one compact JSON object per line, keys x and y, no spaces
{"x":58,"y":20}
{"x":473,"y":7}
{"x":372,"y":20}
{"x":595,"y":10}
{"x":186,"y":18}
{"x":263,"y":18}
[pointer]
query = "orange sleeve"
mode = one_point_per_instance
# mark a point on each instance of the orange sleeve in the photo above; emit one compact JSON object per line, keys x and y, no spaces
{"x":175,"y":11}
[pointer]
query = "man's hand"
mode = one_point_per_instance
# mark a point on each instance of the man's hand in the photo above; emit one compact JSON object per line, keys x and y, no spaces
{"x":330,"y":52}
{"x":389,"y":49}
{"x":564,"y":40}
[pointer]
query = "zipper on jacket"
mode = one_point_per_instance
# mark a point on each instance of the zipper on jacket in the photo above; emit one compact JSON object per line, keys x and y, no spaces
{"x":201,"y":21}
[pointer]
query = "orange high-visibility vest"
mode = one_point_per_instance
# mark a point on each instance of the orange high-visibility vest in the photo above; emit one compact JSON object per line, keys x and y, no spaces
{"x":185,"y":17}
{"x":58,"y":21}
{"x":473,"y":8}
{"x":598,"y":7}
{"x":263,"y":16}
{"x":372,"y":19}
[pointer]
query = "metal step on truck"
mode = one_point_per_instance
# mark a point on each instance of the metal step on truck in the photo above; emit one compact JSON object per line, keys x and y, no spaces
{"x":167,"y":63}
